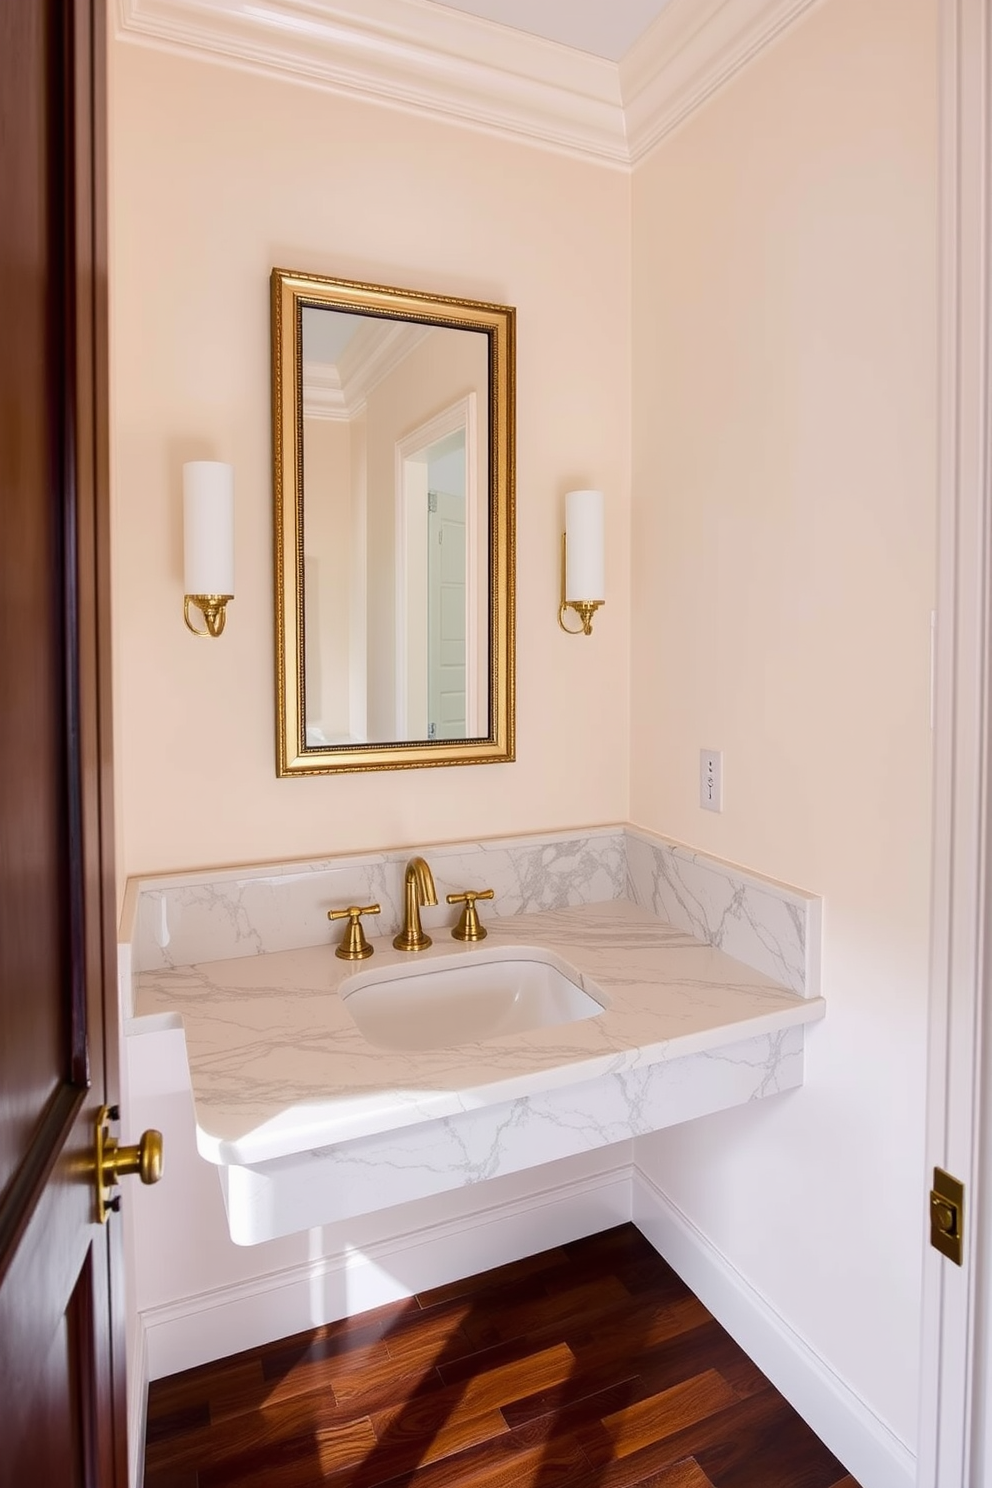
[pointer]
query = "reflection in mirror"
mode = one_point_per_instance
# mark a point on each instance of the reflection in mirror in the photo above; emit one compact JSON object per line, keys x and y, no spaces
{"x":394,"y":527}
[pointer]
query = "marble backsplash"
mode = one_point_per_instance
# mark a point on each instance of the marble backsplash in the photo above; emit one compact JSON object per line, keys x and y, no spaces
{"x":769,"y":926}
{"x":187,"y":918}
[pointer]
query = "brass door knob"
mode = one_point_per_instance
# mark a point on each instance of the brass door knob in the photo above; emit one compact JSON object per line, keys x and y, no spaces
{"x":123,"y":1162}
{"x":114,"y":1162}
{"x":469,"y":926}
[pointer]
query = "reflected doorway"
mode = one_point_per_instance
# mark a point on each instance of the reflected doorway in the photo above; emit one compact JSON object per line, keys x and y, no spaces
{"x":441,"y":603}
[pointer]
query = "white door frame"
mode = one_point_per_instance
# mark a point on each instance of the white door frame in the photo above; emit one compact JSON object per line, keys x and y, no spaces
{"x":955,"y":1445}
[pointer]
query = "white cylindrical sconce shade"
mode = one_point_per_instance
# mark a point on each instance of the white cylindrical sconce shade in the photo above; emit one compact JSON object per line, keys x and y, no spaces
{"x":584,"y":546}
{"x":208,"y":527}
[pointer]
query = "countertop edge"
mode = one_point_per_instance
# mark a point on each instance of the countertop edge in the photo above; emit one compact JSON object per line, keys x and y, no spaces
{"x":329,"y":1131}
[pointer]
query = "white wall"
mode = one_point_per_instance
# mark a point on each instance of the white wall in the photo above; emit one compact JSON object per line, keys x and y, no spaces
{"x":217,"y":176}
{"x":783,"y":561}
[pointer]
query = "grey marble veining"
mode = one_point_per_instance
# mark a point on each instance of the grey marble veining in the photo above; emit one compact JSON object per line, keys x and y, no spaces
{"x":186,"y":919}
{"x":220,"y":915}
{"x":767,"y":925}
{"x":327,"y":1184}
{"x":278,"y":1064}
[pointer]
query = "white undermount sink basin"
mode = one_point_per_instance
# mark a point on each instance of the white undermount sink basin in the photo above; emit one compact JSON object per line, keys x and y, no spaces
{"x":464,"y":999}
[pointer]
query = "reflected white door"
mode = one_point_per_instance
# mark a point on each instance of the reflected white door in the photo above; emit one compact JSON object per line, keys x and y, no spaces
{"x":446,"y":612}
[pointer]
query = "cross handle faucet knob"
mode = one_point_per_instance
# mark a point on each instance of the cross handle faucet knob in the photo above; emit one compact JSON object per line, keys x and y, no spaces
{"x":469,"y":926}
{"x":354,"y":946}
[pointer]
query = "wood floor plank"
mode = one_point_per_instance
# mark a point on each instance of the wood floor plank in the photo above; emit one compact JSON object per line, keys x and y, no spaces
{"x":591,"y":1394}
{"x":671,"y":1411}
{"x":635,"y":1262}
{"x":462,"y":1432}
{"x":372,"y":1384}
{"x":288,"y":1464}
{"x":589,"y":1366}
{"x":205,"y":1446}
{"x":604,"y":1341}
{"x":421,"y":1420}
{"x":657,"y":1369}
{"x":223,"y":1388}
{"x":397,"y":1456}
{"x":798,"y":1459}
{"x":633,"y":1471}
{"x":333,"y":1342}
{"x":498,"y":1279}
{"x":316,"y":1375}
{"x":496,"y":1387}
{"x":301,"y":1460}
{"x":685,"y":1474}
{"x":160,"y":1427}
{"x":552,"y":1465}
{"x":345,"y":1446}
{"x":436,"y":1334}
{"x":518,"y":1458}
{"x":170,"y":1479}
{"x":518,"y":1320}
{"x":708,"y":1346}
{"x":615,"y":1340}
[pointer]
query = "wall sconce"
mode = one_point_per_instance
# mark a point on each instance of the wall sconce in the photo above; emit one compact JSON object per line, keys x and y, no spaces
{"x":582,"y":567}
{"x":208,"y":542}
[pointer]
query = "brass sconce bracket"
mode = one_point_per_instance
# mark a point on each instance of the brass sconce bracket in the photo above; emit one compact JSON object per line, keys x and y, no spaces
{"x":584,"y":608}
{"x":213,"y":607}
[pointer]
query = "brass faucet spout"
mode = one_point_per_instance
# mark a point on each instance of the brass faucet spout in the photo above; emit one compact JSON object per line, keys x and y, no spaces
{"x":418,"y":889}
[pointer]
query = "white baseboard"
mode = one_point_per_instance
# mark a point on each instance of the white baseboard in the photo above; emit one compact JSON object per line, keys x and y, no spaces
{"x":211,"y":1325}
{"x":865,"y":1445}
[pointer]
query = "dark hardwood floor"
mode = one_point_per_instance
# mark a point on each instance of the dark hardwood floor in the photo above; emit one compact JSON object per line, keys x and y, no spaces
{"x":588,"y":1366}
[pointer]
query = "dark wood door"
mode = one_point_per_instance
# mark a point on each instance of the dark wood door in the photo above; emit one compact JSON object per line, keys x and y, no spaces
{"x":61,"y":1365}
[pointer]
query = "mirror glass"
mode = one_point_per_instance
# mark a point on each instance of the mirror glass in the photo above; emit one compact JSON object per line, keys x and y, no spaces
{"x":394,"y":526}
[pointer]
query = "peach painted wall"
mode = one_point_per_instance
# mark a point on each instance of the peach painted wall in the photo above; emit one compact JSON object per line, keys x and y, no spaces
{"x":217,"y":176}
{"x":783,"y":516}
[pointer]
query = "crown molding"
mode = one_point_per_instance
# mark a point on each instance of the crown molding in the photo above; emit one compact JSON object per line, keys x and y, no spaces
{"x":408,"y":54}
{"x":691,"y":50}
{"x":425,"y":58}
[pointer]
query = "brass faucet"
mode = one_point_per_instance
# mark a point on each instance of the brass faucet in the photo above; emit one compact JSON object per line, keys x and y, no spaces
{"x":418,"y":889}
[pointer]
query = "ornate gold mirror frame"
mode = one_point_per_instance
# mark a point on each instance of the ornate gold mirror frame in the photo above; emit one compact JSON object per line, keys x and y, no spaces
{"x":303,"y":748}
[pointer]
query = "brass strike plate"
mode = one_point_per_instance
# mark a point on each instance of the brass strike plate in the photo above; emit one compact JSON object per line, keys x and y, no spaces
{"x":947,"y":1215}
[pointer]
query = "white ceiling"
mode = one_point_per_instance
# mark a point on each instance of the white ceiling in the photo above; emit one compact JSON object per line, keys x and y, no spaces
{"x":606,"y":28}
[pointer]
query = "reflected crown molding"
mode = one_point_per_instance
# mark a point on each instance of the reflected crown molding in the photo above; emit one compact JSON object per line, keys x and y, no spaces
{"x":427,"y":58}
{"x":323,"y":395}
{"x":340,"y":390}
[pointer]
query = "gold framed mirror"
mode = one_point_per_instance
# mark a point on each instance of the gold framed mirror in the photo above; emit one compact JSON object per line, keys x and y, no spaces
{"x":393,"y":444}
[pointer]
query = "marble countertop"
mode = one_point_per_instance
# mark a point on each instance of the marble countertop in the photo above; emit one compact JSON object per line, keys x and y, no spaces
{"x":279,"y":1067}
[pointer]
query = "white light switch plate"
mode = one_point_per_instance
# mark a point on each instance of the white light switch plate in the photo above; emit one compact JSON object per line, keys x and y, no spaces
{"x":711,"y":779}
